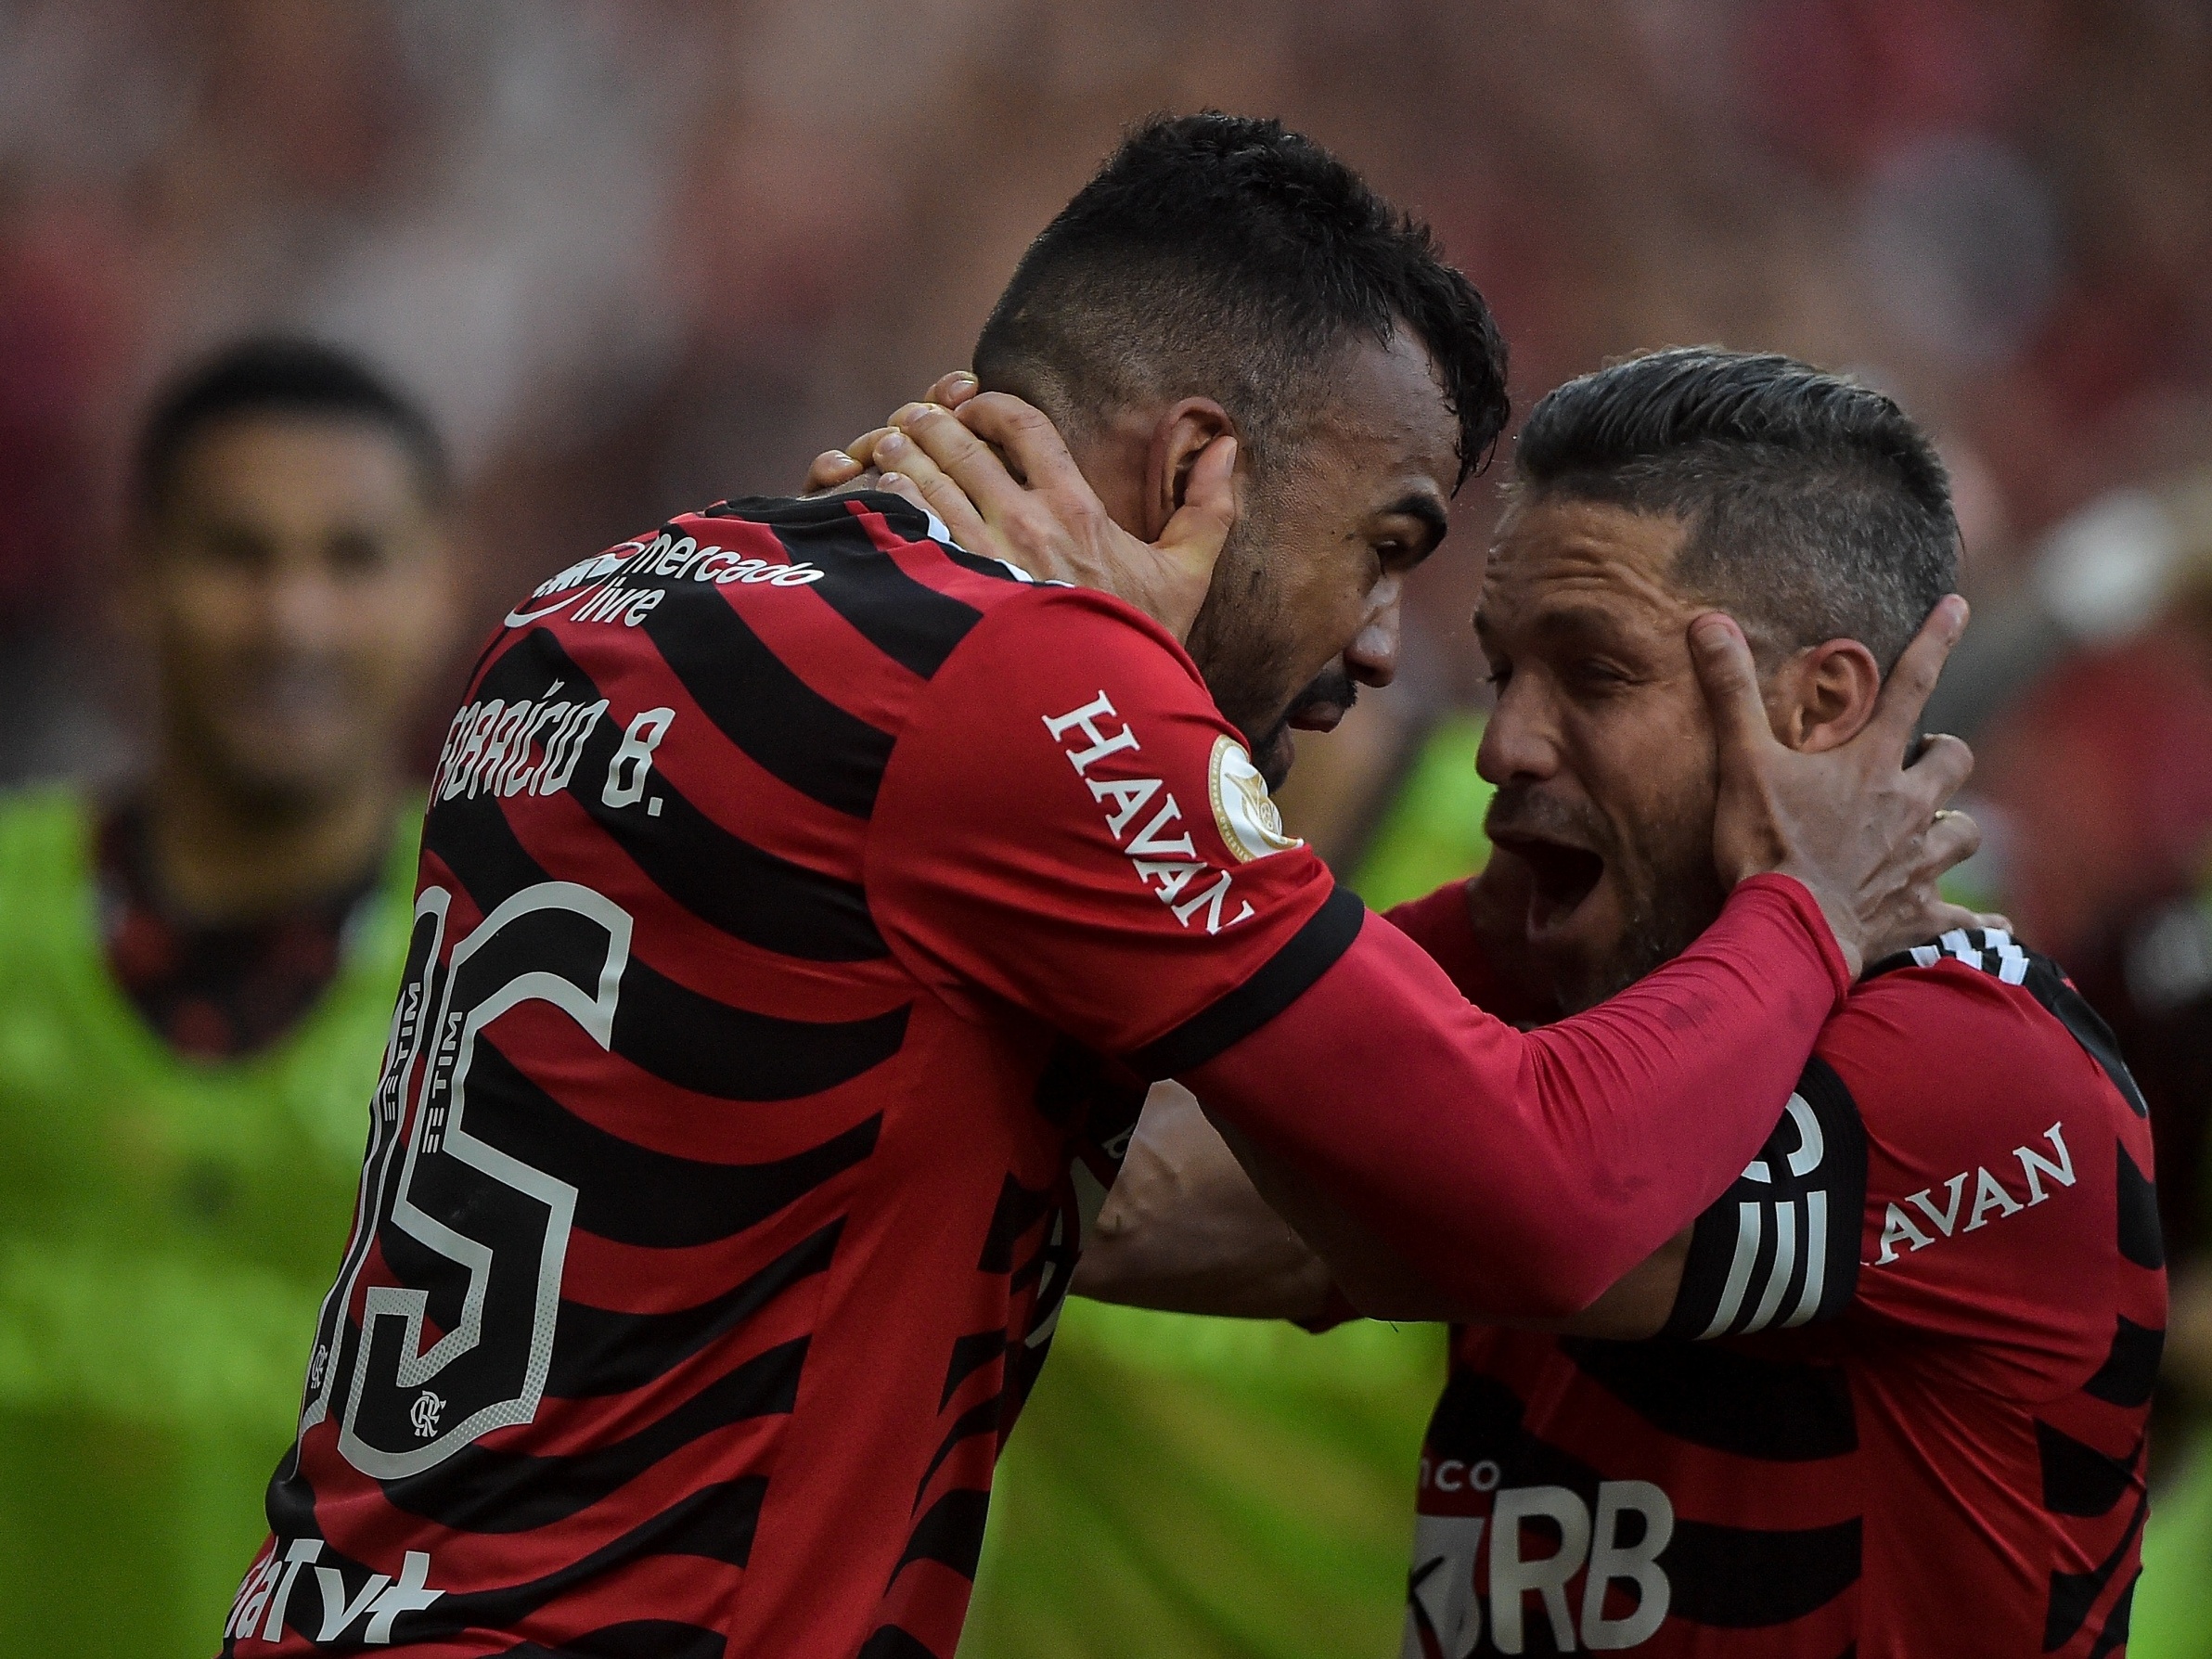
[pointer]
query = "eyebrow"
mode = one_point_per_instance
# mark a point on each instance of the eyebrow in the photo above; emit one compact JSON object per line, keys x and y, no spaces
{"x":1555,"y":621}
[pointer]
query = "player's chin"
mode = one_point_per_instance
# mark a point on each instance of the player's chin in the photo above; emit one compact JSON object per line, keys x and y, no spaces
{"x":1274,"y":754}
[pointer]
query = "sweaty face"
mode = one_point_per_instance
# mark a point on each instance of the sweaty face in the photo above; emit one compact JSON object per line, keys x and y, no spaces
{"x":1600,"y":748}
{"x":296,"y":585}
{"x":1304,"y":604}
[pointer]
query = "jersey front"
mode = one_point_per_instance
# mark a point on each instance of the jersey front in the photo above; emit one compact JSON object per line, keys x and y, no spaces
{"x":736,"y":1135}
{"x":1899,"y":1407}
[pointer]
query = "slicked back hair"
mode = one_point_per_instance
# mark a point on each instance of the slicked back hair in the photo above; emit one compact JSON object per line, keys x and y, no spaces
{"x":283,"y":376}
{"x":1222,"y":256}
{"x":1816,"y":508}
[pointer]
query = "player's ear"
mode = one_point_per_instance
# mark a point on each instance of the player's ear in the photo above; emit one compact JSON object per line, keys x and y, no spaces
{"x":1822,"y":697}
{"x":1181,"y":437}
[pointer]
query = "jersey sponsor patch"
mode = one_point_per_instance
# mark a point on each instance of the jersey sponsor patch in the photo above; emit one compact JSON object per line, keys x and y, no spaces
{"x":1243,"y":811}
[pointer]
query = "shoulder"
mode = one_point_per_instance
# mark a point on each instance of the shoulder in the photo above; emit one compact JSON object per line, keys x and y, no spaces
{"x":1988,"y":1088}
{"x":1974,"y":1014}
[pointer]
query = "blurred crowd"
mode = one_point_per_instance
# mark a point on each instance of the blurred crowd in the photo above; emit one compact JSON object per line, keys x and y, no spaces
{"x":638,"y":255}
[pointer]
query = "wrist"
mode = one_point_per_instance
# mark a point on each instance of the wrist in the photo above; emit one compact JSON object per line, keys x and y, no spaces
{"x":1833,"y":929}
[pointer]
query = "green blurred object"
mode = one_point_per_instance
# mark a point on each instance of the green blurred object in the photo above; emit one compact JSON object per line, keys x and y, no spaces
{"x":2172,"y":1617}
{"x":167,"y":1229}
{"x":1231,"y":1487}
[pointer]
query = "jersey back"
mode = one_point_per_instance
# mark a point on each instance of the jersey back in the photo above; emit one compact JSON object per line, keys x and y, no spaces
{"x":703,"y":1253}
{"x":1899,"y":1407}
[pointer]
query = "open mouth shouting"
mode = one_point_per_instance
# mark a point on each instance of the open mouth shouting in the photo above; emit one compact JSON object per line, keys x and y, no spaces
{"x":1562,"y":875}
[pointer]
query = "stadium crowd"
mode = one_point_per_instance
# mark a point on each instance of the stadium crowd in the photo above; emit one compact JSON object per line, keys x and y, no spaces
{"x":634,"y":258}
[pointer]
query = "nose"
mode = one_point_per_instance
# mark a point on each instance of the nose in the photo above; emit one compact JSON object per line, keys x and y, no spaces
{"x":1520,"y":742}
{"x":306,"y":609}
{"x":1372,"y":657}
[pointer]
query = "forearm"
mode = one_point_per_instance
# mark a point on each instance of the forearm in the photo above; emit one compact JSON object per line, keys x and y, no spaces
{"x":1184,"y":1230}
{"x":1529,"y":1173}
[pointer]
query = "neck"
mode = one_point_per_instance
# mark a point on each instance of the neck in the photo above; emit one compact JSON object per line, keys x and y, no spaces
{"x":220,"y":857}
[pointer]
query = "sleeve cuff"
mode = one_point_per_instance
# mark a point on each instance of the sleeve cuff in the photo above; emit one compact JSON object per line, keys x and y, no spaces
{"x":1797,"y":899}
{"x":1286,"y":976}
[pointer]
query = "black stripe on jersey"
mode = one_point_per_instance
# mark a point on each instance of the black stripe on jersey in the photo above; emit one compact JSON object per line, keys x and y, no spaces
{"x":735,"y":1054}
{"x":715,"y":1523}
{"x":983,"y":1418}
{"x":1738,"y":1579}
{"x":1724,"y":1399}
{"x":481,"y":1489}
{"x":2079,"y":1479}
{"x":628,"y":1193}
{"x":2130,"y":1374}
{"x":891,"y":1642}
{"x":601,"y":1351}
{"x":1285,"y":977}
{"x":2073,"y":1595}
{"x":1781,"y":1247}
{"x":951,"y":1534}
{"x":659,"y":1026}
{"x":970,"y":1354}
{"x":1019,"y":1209}
{"x":758,"y":702}
{"x":2141,"y":1239}
{"x":909,"y":622}
{"x":722,"y":879}
{"x":2086,"y":1025}
{"x":636,"y":1638}
{"x":2114,"y":1636}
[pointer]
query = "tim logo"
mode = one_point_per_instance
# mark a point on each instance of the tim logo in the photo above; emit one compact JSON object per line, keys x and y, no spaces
{"x":1510,"y":1574}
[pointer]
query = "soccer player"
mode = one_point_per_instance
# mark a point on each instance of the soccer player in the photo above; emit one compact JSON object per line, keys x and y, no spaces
{"x":196,"y":978}
{"x":1888,"y":1395}
{"x":804,"y":899}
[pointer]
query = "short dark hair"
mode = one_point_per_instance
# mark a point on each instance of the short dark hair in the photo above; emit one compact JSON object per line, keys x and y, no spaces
{"x":1222,"y":256}
{"x":1817,"y":509}
{"x":279,"y":374}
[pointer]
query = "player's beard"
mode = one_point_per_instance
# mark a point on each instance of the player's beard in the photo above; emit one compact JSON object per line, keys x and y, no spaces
{"x":1240,"y":640}
{"x":1663,"y":881}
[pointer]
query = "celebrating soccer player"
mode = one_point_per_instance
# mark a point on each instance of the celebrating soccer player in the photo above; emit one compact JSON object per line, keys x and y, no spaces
{"x":805,"y":898}
{"x":1895,"y":1396}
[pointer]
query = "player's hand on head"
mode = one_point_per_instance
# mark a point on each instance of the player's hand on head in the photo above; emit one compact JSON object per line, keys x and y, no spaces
{"x":999,"y":476}
{"x":1865,"y":833}
{"x":834,"y":468}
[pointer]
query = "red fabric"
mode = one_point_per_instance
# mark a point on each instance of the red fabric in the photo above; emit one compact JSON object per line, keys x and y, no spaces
{"x":1532,"y":1170}
{"x":1953,"y":1465}
{"x":1441,"y":925}
{"x":1101,"y":897}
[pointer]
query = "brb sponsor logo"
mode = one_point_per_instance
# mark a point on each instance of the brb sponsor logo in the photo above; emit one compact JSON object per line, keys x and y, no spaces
{"x":284,"y":1583}
{"x":1147,"y":823}
{"x":1501,"y":1561}
{"x":613,"y":580}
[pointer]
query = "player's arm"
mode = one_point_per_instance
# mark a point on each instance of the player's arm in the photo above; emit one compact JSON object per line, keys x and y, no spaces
{"x":1067,"y":827}
{"x":1186,"y":1231}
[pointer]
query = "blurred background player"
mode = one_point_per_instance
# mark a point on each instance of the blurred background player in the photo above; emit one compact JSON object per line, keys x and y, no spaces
{"x":196,"y":975}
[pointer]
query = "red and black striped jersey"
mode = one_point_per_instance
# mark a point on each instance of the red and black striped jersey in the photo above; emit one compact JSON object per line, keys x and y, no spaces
{"x":1899,"y":1408}
{"x":750,"y":1086}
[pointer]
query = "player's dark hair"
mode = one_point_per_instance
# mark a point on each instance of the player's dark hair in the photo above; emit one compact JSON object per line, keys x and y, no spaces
{"x":1817,"y":510}
{"x":275,"y":374}
{"x":1221,"y":256}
